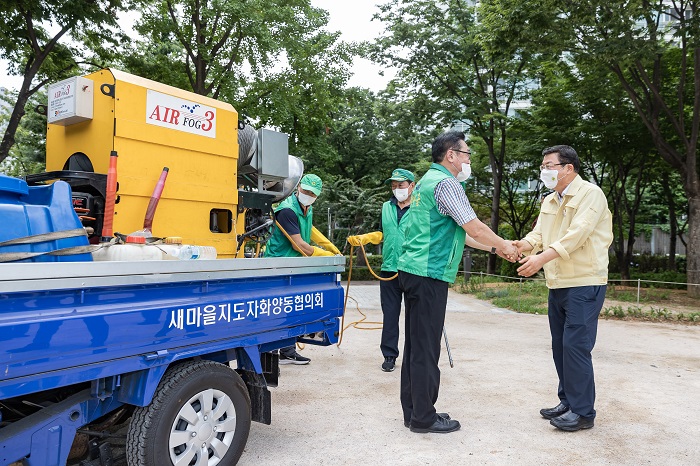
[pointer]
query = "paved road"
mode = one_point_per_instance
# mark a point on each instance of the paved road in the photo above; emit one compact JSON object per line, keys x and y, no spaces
{"x":342,"y":409}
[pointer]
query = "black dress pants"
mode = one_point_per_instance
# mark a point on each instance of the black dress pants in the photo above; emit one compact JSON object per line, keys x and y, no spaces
{"x":390,"y":295}
{"x":573,"y":323}
{"x":426,"y":302}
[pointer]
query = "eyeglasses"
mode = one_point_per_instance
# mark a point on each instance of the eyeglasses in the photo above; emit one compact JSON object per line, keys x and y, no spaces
{"x":468,"y":152}
{"x":550,"y":166}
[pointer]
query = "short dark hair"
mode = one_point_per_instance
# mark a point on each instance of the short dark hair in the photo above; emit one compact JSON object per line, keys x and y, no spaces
{"x":566,"y":155}
{"x":445,"y":142}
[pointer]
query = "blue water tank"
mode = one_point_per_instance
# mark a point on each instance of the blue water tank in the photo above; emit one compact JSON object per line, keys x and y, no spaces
{"x":31,"y":210}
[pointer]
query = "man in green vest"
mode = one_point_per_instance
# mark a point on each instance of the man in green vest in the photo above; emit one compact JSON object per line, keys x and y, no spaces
{"x":439,"y":219}
{"x":393,"y":223}
{"x":292,"y":234}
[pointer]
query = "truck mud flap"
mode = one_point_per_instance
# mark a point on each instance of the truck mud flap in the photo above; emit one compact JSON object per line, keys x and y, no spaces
{"x":260,"y":398}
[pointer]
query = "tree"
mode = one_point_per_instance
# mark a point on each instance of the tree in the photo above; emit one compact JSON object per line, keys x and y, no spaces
{"x":653,"y":48}
{"x":303,"y":98}
{"x":368,"y":138}
{"x":584,"y":105}
{"x":274,"y":62}
{"x":28,"y":155}
{"x":225,"y":45}
{"x":31,"y":36}
{"x":458,"y":69}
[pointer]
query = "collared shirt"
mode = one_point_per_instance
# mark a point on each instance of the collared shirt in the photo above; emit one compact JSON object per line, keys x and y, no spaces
{"x":452,"y":200}
{"x":399,"y":211}
{"x":560,"y":197}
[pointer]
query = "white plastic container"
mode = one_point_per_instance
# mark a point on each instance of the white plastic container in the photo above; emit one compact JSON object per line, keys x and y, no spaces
{"x":128,"y":252}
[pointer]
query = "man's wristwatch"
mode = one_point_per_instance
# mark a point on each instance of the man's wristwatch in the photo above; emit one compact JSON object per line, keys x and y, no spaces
{"x":493,"y":250}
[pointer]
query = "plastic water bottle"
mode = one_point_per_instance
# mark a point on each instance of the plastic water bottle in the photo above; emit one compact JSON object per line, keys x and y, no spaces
{"x":173,"y":249}
{"x":188,"y":252}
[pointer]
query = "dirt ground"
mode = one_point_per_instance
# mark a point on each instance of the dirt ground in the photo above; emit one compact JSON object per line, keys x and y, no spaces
{"x":342,"y":409}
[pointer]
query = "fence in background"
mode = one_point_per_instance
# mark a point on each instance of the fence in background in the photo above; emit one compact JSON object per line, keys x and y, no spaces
{"x":658,"y":244}
{"x":521,"y":280}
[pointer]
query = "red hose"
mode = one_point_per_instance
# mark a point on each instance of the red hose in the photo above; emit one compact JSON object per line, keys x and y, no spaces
{"x":153,"y":203}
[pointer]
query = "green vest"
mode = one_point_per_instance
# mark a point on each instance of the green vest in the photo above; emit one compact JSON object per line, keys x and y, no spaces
{"x":393,"y":232}
{"x":279,"y":245}
{"x":434,"y":242}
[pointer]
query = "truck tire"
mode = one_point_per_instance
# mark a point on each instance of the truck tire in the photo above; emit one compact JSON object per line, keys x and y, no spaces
{"x":200,"y":415}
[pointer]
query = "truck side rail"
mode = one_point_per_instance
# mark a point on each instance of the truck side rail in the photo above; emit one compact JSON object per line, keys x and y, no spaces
{"x":85,"y":322}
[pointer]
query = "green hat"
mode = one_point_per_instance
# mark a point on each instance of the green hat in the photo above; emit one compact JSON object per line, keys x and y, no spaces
{"x":311,"y":182}
{"x":400,"y":175}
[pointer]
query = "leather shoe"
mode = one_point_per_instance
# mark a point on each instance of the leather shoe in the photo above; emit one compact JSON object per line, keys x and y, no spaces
{"x":551,"y":413}
{"x":572,"y":422}
{"x":440,"y":426}
{"x":442,"y":415}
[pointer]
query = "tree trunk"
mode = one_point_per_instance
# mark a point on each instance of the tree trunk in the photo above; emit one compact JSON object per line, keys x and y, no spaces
{"x":673,"y":222}
{"x":8,"y":140}
{"x":623,"y":261}
{"x":495,"y":218}
{"x":693,"y":247}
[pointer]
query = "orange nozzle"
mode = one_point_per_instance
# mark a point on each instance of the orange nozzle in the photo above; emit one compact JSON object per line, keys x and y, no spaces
{"x":110,"y":197}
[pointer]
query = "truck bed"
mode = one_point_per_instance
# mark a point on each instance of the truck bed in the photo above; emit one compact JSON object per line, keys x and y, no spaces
{"x":67,"y":323}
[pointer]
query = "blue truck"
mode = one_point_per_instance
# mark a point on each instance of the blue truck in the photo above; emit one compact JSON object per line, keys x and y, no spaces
{"x":181,"y":352}
{"x":153,"y":339}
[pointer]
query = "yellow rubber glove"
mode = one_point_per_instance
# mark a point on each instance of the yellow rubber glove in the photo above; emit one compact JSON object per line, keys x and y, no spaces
{"x":374,"y":237}
{"x":321,"y":252}
{"x":318,"y":238}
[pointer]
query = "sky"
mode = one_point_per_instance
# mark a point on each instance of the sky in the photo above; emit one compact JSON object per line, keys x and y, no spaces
{"x":353,"y":18}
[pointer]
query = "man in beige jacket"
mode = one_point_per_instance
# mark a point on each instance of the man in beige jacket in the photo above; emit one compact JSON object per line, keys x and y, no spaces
{"x":570,"y":241}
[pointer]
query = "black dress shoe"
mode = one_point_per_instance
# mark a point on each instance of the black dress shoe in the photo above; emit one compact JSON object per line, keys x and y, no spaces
{"x":558,"y":410}
{"x":442,"y":415}
{"x":440,"y":426}
{"x":572,"y":422}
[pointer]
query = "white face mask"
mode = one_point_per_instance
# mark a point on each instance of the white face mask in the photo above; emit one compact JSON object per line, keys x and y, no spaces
{"x":550,"y":178}
{"x":401,"y":194}
{"x":305,"y":199}
{"x":465,"y":173}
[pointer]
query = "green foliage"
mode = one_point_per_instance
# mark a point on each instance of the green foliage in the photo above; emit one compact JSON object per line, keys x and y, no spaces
{"x":525,"y":296}
{"x":354,"y":210}
{"x":33,"y":40}
{"x":651,"y":313}
{"x":361,"y":272}
{"x":456,"y":70}
{"x":274,"y":62}
{"x":367,"y":140}
{"x":624,"y":293}
{"x":28,"y":154}
{"x":656,"y":63}
{"x":530,"y":296}
{"x":642,"y":264}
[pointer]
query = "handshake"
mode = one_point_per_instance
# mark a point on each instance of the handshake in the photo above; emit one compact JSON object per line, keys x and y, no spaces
{"x":515,"y":251}
{"x":508,"y":251}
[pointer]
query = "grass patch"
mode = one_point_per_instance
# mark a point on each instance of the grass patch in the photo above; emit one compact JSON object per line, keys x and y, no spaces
{"x":646,"y":295}
{"x":531,"y":297}
{"x":652,"y":313}
{"x":527,"y":297}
